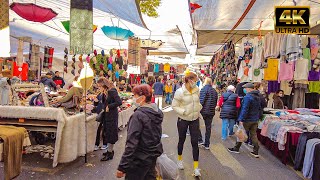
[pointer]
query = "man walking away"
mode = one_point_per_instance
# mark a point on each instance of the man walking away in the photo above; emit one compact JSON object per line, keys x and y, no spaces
{"x":208,"y":100}
{"x":249,"y":116}
{"x":176,"y":86}
{"x":158,"y":92}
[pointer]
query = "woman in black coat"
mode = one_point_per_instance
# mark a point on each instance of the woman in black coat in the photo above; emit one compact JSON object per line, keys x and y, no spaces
{"x":111,"y":115}
{"x":143,"y":145}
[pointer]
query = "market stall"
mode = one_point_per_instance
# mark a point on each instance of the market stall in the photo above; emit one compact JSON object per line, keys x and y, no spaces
{"x":282,"y":132}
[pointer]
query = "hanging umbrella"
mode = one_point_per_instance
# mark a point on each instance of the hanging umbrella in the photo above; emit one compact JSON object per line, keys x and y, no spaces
{"x":116,"y":33}
{"x":66,"y":25}
{"x":149,"y":44}
{"x":32,"y":12}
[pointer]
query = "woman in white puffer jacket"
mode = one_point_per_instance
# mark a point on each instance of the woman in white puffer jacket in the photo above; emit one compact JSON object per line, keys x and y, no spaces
{"x":186,"y":104}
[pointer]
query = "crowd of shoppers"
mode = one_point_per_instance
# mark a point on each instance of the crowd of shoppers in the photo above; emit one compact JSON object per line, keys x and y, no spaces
{"x":191,"y":104}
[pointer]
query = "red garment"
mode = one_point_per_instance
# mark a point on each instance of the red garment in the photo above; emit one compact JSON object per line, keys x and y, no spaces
{"x":21,"y":74}
{"x":238,"y":103}
{"x":138,"y":79}
{"x":50,"y":57}
{"x":171,"y":76}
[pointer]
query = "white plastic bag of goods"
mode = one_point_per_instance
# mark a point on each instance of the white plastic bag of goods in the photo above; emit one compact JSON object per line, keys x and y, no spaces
{"x":167,"y":168}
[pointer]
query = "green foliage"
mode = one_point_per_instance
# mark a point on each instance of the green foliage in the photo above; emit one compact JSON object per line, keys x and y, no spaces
{"x":149,"y":7}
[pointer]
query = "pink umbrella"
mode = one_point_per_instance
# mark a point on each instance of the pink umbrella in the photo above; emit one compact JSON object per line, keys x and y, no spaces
{"x":32,"y":12}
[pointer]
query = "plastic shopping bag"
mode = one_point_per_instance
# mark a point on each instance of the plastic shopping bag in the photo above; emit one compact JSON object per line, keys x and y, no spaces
{"x":241,"y":134}
{"x":167,"y":169}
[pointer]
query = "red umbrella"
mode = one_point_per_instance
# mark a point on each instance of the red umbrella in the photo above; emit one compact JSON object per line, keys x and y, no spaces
{"x":32,"y":12}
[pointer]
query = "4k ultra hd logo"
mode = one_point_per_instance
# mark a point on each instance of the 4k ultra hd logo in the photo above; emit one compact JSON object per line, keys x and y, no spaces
{"x":292,"y":19}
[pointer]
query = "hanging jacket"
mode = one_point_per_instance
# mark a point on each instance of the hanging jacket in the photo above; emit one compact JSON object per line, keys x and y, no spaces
{"x":143,"y":144}
{"x":208,"y":100}
{"x":187,"y":105}
{"x":229,"y":109}
{"x":251,"y":107}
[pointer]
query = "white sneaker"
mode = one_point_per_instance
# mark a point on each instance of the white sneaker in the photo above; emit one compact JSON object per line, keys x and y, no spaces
{"x":104,"y":147}
{"x":96,"y":148}
{"x":197,"y":173}
{"x":180,"y":165}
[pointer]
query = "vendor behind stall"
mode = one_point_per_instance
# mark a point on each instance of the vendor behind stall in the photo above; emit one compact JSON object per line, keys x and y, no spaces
{"x":58,"y":80}
{"x":47,"y":81}
{"x":75,"y":90}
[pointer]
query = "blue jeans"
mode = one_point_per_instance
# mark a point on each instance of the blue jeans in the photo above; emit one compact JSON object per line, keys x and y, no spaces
{"x":168,"y":98}
{"x":227,"y":124}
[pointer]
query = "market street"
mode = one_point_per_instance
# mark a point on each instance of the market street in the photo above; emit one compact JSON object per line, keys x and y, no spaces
{"x":217,"y":163}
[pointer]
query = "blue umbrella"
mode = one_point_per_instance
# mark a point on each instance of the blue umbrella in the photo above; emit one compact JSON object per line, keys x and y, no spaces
{"x":116,"y":33}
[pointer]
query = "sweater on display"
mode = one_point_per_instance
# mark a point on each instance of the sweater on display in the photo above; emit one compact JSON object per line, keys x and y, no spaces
{"x":301,"y":69}
{"x":290,"y":44}
{"x":272,"y":45}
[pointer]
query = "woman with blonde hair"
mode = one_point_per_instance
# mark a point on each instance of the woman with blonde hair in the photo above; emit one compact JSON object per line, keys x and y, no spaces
{"x":186,"y":104}
{"x":111,"y":101}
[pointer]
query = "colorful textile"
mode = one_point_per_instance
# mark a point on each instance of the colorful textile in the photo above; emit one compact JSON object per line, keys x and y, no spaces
{"x":143,"y":61}
{"x":286,"y":71}
{"x":81,"y":21}
{"x":34,"y":57}
{"x":156,"y":68}
{"x":314,"y":87}
{"x":21,"y":74}
{"x":307,"y":55}
{"x":133,"y":51}
{"x":314,"y":76}
{"x":166,"y":67}
{"x":271,"y":72}
{"x":273,"y":86}
{"x":4,"y":28}
{"x":302,"y":70}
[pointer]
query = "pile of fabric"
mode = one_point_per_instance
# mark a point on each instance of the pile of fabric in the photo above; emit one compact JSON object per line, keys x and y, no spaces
{"x":13,"y":138}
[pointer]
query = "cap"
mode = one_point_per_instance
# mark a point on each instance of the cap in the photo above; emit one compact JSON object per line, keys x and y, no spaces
{"x":231,"y":88}
{"x":248,"y":85}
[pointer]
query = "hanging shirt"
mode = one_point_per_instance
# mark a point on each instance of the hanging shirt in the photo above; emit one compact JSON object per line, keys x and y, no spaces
{"x":314,"y":87}
{"x":161,"y":67}
{"x":286,"y":71}
{"x":110,"y":67}
{"x":271,"y":72}
{"x":285,"y":86}
{"x":156,"y":68}
{"x":301,"y":69}
{"x":307,"y":55}
{"x":166,"y":67}
{"x":150,"y":67}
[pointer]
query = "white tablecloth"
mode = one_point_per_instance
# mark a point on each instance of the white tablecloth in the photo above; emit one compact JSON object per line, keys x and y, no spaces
{"x":124,"y":117}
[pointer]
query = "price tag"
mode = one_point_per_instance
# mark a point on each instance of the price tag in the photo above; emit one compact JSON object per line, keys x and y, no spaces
{"x":21,"y":120}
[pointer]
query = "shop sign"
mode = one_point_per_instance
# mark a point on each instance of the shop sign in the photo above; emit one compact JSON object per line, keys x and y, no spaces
{"x":292,"y":19}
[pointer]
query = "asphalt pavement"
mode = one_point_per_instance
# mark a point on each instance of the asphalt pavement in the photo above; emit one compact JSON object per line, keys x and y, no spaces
{"x":215,"y":164}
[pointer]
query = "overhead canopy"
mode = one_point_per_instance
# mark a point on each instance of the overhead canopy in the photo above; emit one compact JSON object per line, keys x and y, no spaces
{"x":214,"y":20}
{"x":121,"y":13}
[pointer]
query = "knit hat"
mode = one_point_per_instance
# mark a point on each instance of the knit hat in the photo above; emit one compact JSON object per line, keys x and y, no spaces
{"x":231,"y":88}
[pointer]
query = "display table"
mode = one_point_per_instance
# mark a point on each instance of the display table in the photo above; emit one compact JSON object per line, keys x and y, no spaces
{"x":285,"y":155}
{"x":124,"y":117}
{"x":72,"y":132}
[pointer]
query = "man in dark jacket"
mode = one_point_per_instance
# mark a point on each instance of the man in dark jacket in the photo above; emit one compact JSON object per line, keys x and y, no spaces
{"x":208,"y":100}
{"x":143,"y":145}
{"x":58,"y":80}
{"x":249,"y":116}
{"x":47,"y":81}
{"x":158,"y":88}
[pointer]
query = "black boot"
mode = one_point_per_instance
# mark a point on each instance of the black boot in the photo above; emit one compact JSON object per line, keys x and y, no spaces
{"x":108,"y":156}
